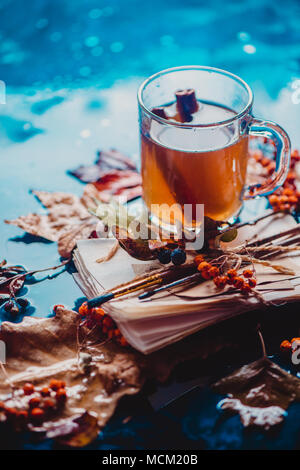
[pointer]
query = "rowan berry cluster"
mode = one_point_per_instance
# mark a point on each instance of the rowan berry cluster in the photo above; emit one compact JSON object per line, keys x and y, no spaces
{"x":97,"y":317}
{"x":287,"y":346}
{"x":287,"y":197}
{"x":38,"y":404}
{"x":244,"y":283}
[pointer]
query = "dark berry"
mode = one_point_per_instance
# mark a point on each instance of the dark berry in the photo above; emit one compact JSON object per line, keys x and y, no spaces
{"x":23,"y":303}
{"x":164,"y":256}
{"x":8,"y":305}
{"x":178,"y":256}
{"x":11,"y":307}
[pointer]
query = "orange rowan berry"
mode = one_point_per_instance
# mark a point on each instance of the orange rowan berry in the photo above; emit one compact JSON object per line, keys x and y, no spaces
{"x":248,"y":273}
{"x":238,"y":282}
{"x":117,"y":332}
{"x":204,"y":266}
{"x":83,"y":309}
{"x":28,"y":389}
{"x":246,"y":289}
{"x":98,"y":314}
{"x":293,"y":200}
{"x":285,"y":345}
{"x":57,"y":306}
{"x":231,"y":273}
{"x":61,"y":395}
{"x":11,"y":412}
{"x":291,"y":176}
{"x":288,"y":192}
{"x":295,"y":339}
{"x":206,"y":274}
{"x":45,"y":392}
{"x":37,"y":415}
{"x":108,"y":322}
{"x":198,"y":259}
{"x":220,"y":281}
{"x":49,"y":404}
{"x":214,"y":271}
{"x":252,"y":282}
{"x":55,"y":384}
{"x":284,"y":198}
{"x":285,"y":207}
{"x":123,"y":341}
{"x":34,"y":402}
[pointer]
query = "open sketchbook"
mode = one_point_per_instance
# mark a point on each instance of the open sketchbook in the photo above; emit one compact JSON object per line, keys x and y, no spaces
{"x":154,"y":323}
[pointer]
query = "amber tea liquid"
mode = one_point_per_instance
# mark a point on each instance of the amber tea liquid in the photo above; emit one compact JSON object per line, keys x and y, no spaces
{"x":195,"y":168}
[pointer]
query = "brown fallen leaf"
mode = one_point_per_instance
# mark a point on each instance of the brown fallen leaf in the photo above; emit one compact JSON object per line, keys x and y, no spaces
{"x":68,"y":220}
{"x":106,"y":160}
{"x":259,"y":392}
{"x":39,"y":349}
{"x":64,"y":210}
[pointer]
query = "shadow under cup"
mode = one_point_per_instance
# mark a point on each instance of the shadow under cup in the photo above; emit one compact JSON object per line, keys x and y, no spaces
{"x":203,"y":162}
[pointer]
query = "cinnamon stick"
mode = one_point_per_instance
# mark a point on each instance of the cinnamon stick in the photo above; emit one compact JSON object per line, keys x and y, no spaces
{"x":186,"y":104}
{"x":160,"y":112}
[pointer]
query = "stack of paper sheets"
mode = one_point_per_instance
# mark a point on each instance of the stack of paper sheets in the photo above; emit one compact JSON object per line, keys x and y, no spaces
{"x":154,"y":323}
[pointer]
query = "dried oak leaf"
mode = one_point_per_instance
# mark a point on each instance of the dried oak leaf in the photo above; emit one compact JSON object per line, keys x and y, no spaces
{"x":106,"y":160}
{"x":259,"y":392}
{"x":67,"y":221}
{"x":39,"y":349}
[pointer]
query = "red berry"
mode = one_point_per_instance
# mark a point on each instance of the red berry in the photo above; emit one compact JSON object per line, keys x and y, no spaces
{"x":231,"y":273}
{"x":220,"y":281}
{"x":206,"y":274}
{"x":34,"y":402}
{"x":123,"y":342}
{"x":49,"y":404}
{"x":45,"y":392}
{"x":57,"y":306}
{"x":285,"y":345}
{"x":83,"y":309}
{"x":204,"y":266}
{"x":248,"y":273}
{"x":238,"y":282}
{"x":37,"y":415}
{"x":252,"y":282}
{"x":61,"y":395}
{"x":28,"y":389}
{"x":198,"y":259}
{"x":246,"y":289}
{"x":214,"y":271}
{"x":56,"y":384}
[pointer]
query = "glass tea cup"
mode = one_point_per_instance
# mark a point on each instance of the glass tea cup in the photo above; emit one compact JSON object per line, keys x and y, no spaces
{"x":204,"y":161}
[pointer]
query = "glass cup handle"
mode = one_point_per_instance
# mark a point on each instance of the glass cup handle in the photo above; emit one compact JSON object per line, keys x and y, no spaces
{"x":260,"y":128}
